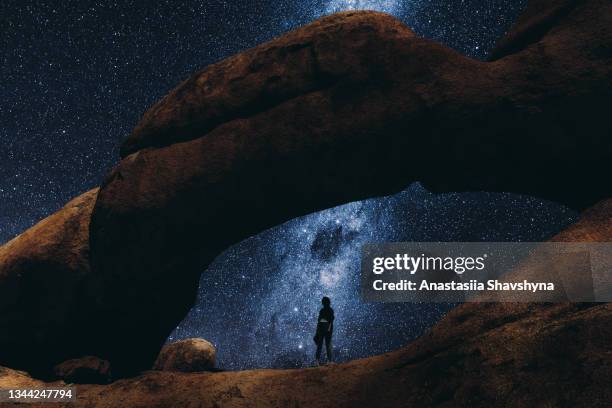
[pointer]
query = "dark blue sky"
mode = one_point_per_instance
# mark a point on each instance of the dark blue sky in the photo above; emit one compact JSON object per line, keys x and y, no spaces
{"x":77,"y":75}
{"x":258,"y":302}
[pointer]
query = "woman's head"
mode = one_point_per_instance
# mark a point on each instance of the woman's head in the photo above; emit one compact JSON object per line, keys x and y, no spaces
{"x":326,"y":302}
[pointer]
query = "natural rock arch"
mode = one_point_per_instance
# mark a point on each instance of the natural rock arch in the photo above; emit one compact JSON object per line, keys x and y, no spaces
{"x":349,"y":107}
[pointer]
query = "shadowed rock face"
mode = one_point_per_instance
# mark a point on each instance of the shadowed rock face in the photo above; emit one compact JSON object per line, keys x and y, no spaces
{"x":358,"y":72}
{"x":44,"y":280}
{"x":85,"y":370}
{"x":535,"y":22}
{"x":368,"y":109}
{"x":309,"y":60}
{"x":349,"y":107}
{"x":479,"y":355}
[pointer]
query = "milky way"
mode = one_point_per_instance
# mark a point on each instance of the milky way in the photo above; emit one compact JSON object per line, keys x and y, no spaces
{"x":259,"y":300}
{"x":77,"y":75}
{"x":387,"y":6}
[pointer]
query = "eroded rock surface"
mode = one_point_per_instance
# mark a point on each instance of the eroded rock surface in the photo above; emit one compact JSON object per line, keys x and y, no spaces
{"x":309,"y":60}
{"x":84,"y":370}
{"x":479,"y":355}
{"x":349,"y":107}
{"x":202,"y":172}
{"x":44,"y":277}
{"x":556,"y":355}
{"x":188,"y":355}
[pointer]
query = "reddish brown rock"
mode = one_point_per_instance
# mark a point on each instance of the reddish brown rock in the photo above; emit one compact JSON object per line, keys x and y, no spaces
{"x":349,"y":107}
{"x":375,"y":76}
{"x":390,"y":109}
{"x":535,"y":22}
{"x":595,"y":225}
{"x":84,"y":370}
{"x":18,"y":379}
{"x":553,"y":355}
{"x":479,"y":355}
{"x":44,"y":274}
{"x":188,"y":355}
{"x":308,"y":60}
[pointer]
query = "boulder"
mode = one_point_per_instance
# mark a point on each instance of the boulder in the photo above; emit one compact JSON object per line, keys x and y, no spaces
{"x":205,"y":169}
{"x":44,"y":286}
{"x":84,"y":370}
{"x":187,"y":355}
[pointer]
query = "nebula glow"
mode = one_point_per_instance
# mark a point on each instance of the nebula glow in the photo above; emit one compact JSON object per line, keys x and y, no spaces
{"x":74,"y":86}
{"x":259,"y":300}
{"x":387,"y":6}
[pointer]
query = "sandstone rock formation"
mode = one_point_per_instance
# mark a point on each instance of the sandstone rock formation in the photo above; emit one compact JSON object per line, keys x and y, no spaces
{"x":84,"y":370}
{"x":351,"y":106}
{"x":188,"y":355}
{"x":357,"y":106}
{"x":44,"y":275}
{"x":18,"y":379}
{"x":519,"y":361}
{"x":479,"y":355}
{"x":572,"y":280}
{"x":535,"y":22}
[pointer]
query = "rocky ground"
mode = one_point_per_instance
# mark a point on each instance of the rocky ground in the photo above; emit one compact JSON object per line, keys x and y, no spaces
{"x":508,"y":354}
{"x":322,"y":116}
{"x":529,"y":355}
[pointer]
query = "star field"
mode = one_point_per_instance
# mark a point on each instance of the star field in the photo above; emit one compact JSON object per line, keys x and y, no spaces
{"x":77,"y":76}
{"x":259,"y":300}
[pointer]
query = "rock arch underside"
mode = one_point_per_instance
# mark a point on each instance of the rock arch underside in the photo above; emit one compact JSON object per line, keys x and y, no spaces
{"x":351,"y":106}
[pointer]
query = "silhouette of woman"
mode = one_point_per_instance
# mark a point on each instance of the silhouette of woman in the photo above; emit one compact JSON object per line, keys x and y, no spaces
{"x":325,"y":327}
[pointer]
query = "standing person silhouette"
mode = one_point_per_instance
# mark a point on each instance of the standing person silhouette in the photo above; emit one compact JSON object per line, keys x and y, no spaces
{"x":325,"y":328}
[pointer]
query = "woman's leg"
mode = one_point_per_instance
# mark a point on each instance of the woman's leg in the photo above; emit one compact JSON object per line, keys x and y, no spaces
{"x":328,"y":346}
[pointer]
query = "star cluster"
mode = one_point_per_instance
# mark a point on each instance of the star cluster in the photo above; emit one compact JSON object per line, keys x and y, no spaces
{"x":259,"y":300}
{"x":76,"y":77}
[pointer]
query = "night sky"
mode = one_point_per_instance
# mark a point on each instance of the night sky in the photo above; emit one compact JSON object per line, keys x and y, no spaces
{"x":76,"y":77}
